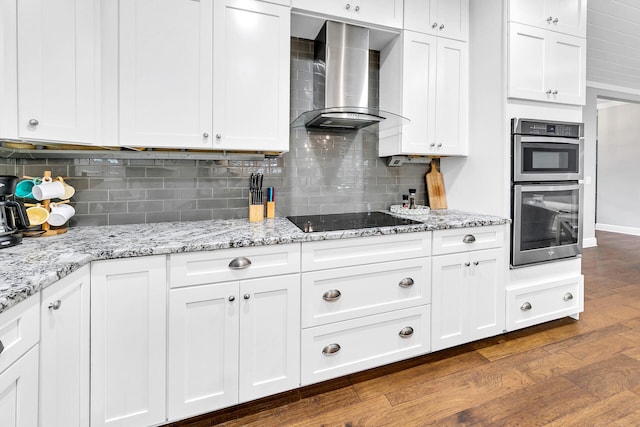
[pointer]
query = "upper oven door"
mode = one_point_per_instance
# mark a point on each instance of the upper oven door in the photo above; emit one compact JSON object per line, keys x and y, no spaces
{"x":539,"y":158}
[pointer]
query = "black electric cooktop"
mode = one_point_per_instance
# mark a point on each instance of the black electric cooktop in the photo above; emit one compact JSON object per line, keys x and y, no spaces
{"x":347,"y":221}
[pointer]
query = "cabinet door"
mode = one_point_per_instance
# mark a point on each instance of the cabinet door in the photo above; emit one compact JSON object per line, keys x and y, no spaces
{"x":528,"y":62}
{"x":203,"y":349}
{"x":445,"y":18}
{"x":381,"y":12}
{"x":419,"y":86}
{"x":487,"y":293}
{"x":567,"y":69}
{"x":56,"y":65}
{"x":421,"y":16}
{"x":450,"y":301}
{"x":452,"y":97}
{"x":19,"y":392}
{"x":165,"y":63}
{"x":564,"y":16}
{"x":269,"y":336}
{"x":251,"y":76}
{"x":64,"y":352}
{"x":128,"y":341}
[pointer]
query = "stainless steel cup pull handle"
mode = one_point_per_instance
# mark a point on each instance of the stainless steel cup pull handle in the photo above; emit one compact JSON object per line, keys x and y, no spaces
{"x":526,"y":306}
{"x":239,"y":263}
{"x":407,"y":282}
{"x":331,"y":349}
{"x":406,"y":332}
{"x":568,"y":296}
{"x":469,"y":238}
{"x":55,"y":305}
{"x":332,"y":295}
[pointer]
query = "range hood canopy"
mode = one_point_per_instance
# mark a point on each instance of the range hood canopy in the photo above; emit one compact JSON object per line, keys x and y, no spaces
{"x":341,"y":84}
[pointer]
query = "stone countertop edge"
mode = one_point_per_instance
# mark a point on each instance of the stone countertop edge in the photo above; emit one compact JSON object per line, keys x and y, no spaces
{"x":39,"y":262}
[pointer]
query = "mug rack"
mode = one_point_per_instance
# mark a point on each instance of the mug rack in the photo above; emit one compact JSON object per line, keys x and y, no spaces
{"x":45,"y":226}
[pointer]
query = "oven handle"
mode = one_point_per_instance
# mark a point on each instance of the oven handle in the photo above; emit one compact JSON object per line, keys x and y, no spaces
{"x":549,"y":139}
{"x":547,"y":187}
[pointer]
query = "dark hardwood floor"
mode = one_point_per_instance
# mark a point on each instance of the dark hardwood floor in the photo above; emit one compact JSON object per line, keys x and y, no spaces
{"x":562,"y":373}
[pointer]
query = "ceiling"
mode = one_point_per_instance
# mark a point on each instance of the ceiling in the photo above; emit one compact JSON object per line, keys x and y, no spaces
{"x":613,"y":42}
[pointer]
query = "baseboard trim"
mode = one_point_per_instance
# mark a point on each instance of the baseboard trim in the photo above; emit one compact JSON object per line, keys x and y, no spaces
{"x":634,"y":231}
{"x":591,"y":242}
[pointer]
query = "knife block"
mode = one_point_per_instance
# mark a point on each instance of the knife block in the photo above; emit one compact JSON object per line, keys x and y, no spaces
{"x":256,"y":213}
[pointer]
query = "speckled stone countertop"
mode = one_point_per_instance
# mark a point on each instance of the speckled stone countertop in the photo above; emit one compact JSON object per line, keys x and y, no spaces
{"x":38,"y":262}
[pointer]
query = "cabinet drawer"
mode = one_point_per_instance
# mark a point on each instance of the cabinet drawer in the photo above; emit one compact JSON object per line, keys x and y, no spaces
{"x":364,"y":250}
{"x":346,"y":293}
{"x":530,"y":305}
{"x":199,"y":268}
{"x":467,"y":239}
{"x":342,"y":348}
{"x":19,"y":330}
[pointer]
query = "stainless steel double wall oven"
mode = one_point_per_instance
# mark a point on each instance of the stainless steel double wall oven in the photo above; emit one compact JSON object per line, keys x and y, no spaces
{"x":546,"y":197}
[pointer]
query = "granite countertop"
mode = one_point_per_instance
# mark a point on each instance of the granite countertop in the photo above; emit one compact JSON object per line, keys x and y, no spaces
{"x":39,"y":262}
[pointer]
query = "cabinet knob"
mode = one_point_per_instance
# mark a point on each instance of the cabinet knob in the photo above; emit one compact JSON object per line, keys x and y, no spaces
{"x":239,"y":263}
{"x":332,"y":295}
{"x":205,"y":135}
{"x":555,"y":92}
{"x":476,"y":262}
{"x":55,"y":305}
{"x":232,"y":298}
{"x":357,"y":8}
{"x":406,"y":332}
{"x":549,"y":92}
{"x":439,"y":144}
{"x":555,"y":20}
{"x":331,"y":349}
{"x":348,"y":6}
{"x":433,"y":144}
{"x":246,"y":296}
{"x":434,"y":25}
{"x":1,"y":347}
{"x":568,"y":296}
{"x":469,"y":238}
{"x":406,"y":282}
{"x":218,"y":136}
{"x":526,"y":306}
{"x":550,"y":19}
{"x":467,"y":264}
{"x":442,"y":26}
{"x":34,"y":122}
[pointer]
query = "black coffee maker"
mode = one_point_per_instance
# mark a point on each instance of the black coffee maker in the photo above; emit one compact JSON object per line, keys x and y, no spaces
{"x":13,"y":216}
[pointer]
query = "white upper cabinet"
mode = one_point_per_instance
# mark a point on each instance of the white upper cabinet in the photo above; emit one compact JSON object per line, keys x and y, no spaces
{"x":433,"y":93}
{"x":445,"y":18}
{"x":380,"y":12}
{"x":564,"y":16}
{"x":251,"y":76}
{"x":56,"y":60}
{"x":202,"y":74}
{"x":165,"y":66}
{"x":546,"y":66}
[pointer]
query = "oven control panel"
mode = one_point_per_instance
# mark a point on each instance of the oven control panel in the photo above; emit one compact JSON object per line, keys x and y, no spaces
{"x":544,"y":128}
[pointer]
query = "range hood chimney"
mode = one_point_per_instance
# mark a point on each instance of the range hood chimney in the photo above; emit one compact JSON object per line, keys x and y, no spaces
{"x":341,"y":83}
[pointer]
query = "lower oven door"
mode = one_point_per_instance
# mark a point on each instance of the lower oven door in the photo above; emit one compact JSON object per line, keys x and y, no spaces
{"x":547,"y":222}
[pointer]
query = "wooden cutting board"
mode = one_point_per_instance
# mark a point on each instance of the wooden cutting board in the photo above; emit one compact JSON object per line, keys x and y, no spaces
{"x":435,"y":187}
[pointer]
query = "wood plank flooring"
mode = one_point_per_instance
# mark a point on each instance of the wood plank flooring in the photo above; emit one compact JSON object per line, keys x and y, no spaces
{"x":562,"y":373}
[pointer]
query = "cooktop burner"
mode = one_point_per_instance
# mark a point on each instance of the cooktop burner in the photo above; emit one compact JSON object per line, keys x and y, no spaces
{"x":347,"y":221}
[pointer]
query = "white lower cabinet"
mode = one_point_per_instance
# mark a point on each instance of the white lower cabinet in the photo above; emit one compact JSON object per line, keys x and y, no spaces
{"x":467,"y":286}
{"x":64,"y":352}
{"x":128,"y":342}
{"x":232,"y":341}
{"x":365,"y":303}
{"x":542,"y":302}
{"x":19,"y":365}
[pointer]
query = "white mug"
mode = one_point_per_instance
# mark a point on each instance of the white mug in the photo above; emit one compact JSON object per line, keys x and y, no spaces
{"x":48,"y":189}
{"x":60,"y":214}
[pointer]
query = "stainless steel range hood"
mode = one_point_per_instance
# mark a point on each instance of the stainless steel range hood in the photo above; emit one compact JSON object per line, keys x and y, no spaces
{"x":341,"y":83}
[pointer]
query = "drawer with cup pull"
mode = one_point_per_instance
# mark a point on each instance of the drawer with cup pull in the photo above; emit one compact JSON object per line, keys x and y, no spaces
{"x":349,"y":292}
{"x":530,"y":305}
{"x":197,"y":268}
{"x":19,"y":330}
{"x":341,"y":348}
{"x":468,"y":239}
